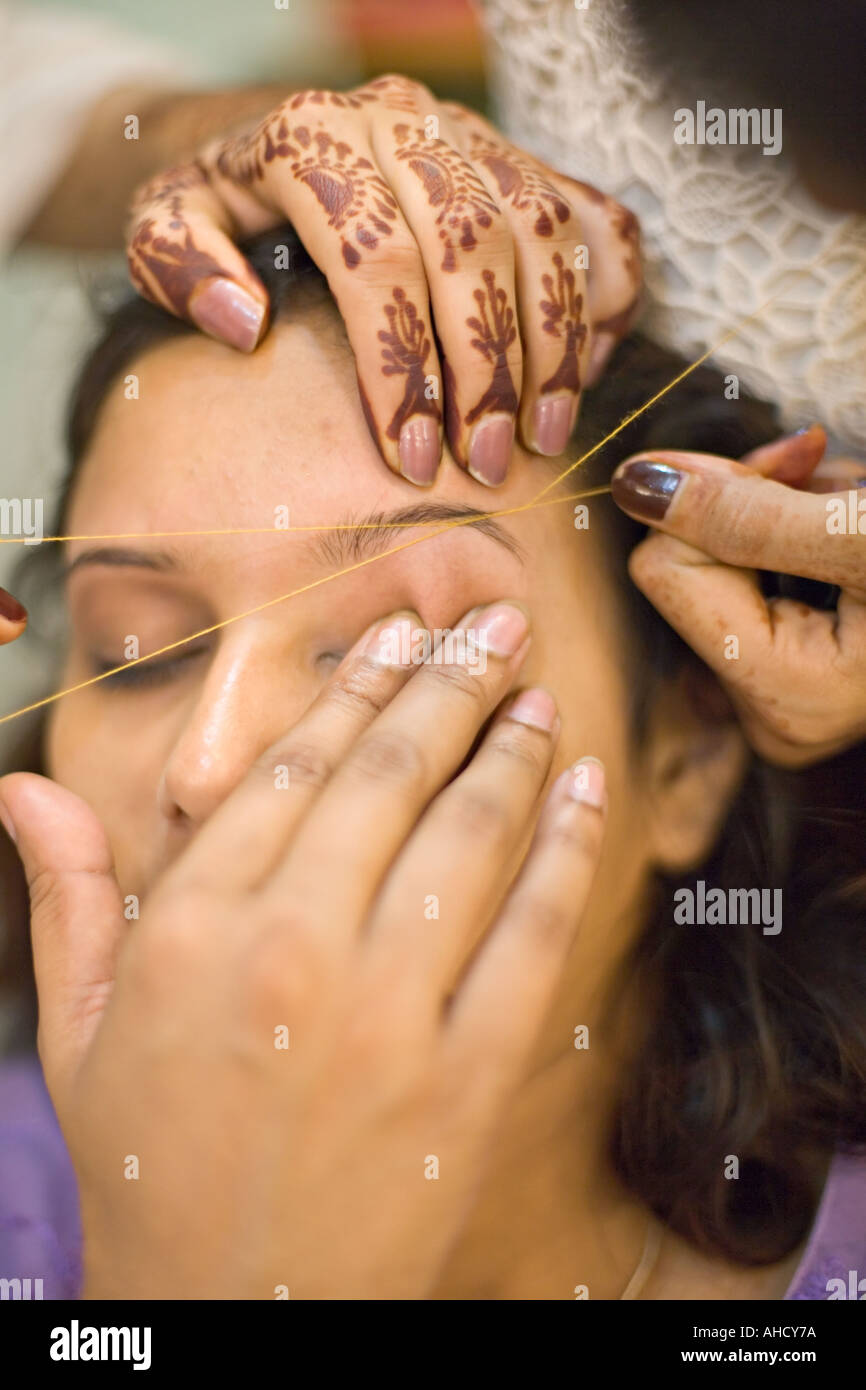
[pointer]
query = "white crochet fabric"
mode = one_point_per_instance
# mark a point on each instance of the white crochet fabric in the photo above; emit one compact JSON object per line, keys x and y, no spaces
{"x":724,"y":227}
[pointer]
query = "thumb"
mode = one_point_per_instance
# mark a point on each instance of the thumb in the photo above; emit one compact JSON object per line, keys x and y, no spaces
{"x":76,"y":915}
{"x":736,"y":515}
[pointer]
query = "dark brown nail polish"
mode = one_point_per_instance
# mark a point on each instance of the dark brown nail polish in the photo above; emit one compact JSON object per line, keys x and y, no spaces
{"x":645,"y":488}
{"x":11,"y":609}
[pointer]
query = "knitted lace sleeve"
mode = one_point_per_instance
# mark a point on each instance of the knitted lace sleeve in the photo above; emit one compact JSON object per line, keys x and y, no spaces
{"x":725,"y":227}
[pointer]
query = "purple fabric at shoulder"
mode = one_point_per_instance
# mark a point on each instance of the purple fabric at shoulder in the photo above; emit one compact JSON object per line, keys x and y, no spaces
{"x":40,"y":1228}
{"x":834,"y":1261}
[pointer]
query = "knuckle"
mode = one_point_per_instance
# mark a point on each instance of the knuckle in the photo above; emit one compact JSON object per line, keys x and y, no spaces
{"x":397,"y":84}
{"x":300,"y":101}
{"x":369,"y":1039}
{"x":580,"y":836}
{"x":455,"y":680}
{"x":548,"y":922}
{"x":359,"y":690}
{"x":647,"y":561}
{"x":282,"y":969}
{"x":496,"y":238}
{"x":51,"y":895}
{"x":389,"y":757}
{"x":482,"y":816}
{"x":395,"y":261}
{"x":529,"y":749}
{"x":304,"y":764}
{"x":736,"y":519}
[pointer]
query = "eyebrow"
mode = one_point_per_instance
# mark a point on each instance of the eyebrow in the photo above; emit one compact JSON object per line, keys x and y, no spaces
{"x":374,"y":534}
{"x":348,"y":541}
{"x":163,"y":561}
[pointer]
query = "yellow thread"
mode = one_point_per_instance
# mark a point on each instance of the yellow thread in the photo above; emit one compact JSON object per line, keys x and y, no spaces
{"x":446,"y":526}
{"x":405,"y":525}
{"x":271,"y":602}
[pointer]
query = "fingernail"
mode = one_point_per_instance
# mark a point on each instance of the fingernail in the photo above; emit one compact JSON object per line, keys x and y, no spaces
{"x":7,"y":823}
{"x":227,"y":312}
{"x":603,"y":345}
{"x":552,"y":423}
{"x":536,"y":708}
{"x":419,"y":450}
{"x":503,"y":629}
{"x":586,"y":782}
{"x":11,"y":609}
{"x":645,"y":488}
{"x":490,"y":451}
{"x":391,"y":645}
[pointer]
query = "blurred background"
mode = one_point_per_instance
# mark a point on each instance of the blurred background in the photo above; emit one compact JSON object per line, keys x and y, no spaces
{"x":46,"y":295}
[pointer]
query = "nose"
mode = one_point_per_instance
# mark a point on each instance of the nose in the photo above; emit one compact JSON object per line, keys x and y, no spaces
{"x":253,"y":691}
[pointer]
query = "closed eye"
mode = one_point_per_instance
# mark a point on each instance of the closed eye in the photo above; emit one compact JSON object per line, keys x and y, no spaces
{"x":145,"y":674}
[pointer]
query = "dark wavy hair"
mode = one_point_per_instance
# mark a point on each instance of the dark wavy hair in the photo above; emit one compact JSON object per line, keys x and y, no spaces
{"x":753,"y":1046}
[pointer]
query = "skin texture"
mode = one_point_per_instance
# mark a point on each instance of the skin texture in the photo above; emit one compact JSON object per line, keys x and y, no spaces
{"x":216,"y":441}
{"x":794,"y":706}
{"x":439,"y":207}
{"x":699,"y":567}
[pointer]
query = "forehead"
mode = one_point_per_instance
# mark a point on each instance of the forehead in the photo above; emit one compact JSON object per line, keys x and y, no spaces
{"x":229,"y":437}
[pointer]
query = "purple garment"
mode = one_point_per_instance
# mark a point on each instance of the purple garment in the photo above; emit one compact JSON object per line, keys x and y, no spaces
{"x":40,"y":1228}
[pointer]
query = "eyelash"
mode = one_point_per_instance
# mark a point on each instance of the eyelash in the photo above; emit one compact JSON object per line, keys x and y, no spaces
{"x":146,"y":673}
{"x":149,"y":674}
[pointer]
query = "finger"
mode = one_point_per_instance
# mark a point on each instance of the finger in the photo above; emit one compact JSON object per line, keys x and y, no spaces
{"x":465,"y":851}
{"x":498,"y":1008}
{"x":792,"y":459}
{"x":609,"y":241}
{"x":181,"y":256}
{"x":467,"y":249}
{"x":13,"y":618}
{"x":838,"y":475}
{"x":248,"y":834}
{"x":390,"y":775}
{"x":551,"y":284}
{"x":328,"y":184}
{"x":611,"y":233}
{"x":796,"y":675}
{"x":733,"y":514}
{"x":76,"y":916}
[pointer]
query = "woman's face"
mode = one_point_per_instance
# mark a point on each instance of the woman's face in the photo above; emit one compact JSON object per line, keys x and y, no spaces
{"x":215,"y":442}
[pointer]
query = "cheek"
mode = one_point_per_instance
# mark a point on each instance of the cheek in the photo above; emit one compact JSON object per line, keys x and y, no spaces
{"x":114,"y":770}
{"x":577,"y":654}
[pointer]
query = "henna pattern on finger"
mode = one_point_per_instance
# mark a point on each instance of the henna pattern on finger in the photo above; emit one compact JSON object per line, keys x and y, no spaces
{"x":356,"y":198}
{"x":521,"y":183}
{"x":176,"y":264}
{"x":562,"y":319}
{"x":406,"y":350}
{"x":397,"y":93}
{"x":626,"y":227}
{"x":353,"y":100}
{"x":494,"y":333}
{"x":451,"y":185}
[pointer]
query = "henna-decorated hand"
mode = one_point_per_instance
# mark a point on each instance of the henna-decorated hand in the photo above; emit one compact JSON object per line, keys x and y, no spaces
{"x":406,"y":203}
{"x":796,"y":674}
